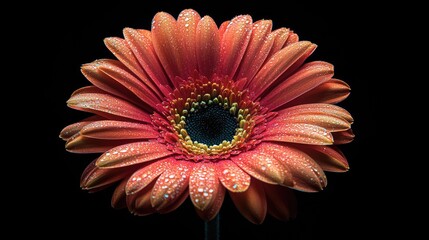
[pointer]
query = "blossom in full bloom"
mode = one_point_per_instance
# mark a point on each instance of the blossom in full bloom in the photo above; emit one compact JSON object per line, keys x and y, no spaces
{"x":190,"y":109}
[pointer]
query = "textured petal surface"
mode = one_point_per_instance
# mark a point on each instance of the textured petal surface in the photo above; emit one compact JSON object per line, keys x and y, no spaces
{"x":133,"y":153}
{"x":281,"y":202}
{"x":343,"y":137}
{"x":187,"y":23}
{"x":139,"y":203}
{"x":298,"y":133}
{"x":207,"y":46}
{"x":74,"y":128}
{"x":94,"y":177}
{"x":307,"y":174}
{"x":119,"y":197}
{"x":317,"y":108}
{"x":210,"y":212}
{"x":234,"y":43}
{"x":108,"y":129}
{"x":252,"y":203}
{"x":308,"y":77}
{"x":329,"y":158}
{"x":232,"y":177}
{"x":280,"y":36}
{"x":203,"y":185}
{"x":81,"y":144}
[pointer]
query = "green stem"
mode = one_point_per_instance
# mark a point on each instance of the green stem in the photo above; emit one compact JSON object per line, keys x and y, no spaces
{"x":211,"y":229}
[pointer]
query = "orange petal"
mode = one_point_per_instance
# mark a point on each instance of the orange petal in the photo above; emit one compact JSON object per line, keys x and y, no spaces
{"x":281,"y":202}
{"x":234,"y":43}
{"x":187,"y":25}
{"x":308,"y":176}
{"x":81,"y":144}
{"x":257,"y":51}
{"x":74,"y":128}
{"x":141,"y":178}
{"x":332,"y":91}
{"x":106,"y":105}
{"x":317,"y":108}
{"x":329,"y":158}
{"x":166,"y":41}
{"x":203,"y":185}
{"x":94,"y":177}
{"x":306,"y":78}
{"x":171,"y":185}
{"x":263,"y":167}
{"x":142,"y":47}
{"x":108,"y":129}
{"x":222,"y":28}
{"x":207,"y":46}
{"x":279,"y":63}
{"x":293,"y":38}
{"x":119,"y":197}
{"x":232,"y":177}
{"x":280,"y":36}
{"x":343,"y":137}
{"x":131,"y":154}
{"x":174,"y":205}
{"x":210,"y":212}
{"x":139,"y":203}
{"x":252,"y":203}
{"x":298,"y":133}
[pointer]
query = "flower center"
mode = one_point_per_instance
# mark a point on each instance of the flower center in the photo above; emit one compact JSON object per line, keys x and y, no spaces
{"x":211,"y":125}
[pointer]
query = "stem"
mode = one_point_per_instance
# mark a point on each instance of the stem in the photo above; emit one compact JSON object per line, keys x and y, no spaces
{"x":211,"y":229}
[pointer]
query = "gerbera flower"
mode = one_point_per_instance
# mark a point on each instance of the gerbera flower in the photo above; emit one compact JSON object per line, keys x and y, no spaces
{"x":190,"y":109}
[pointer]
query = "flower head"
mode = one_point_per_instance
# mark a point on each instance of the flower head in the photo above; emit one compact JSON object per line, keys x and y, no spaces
{"x":190,"y":109}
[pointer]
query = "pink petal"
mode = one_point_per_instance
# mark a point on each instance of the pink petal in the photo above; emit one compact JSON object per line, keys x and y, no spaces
{"x":306,"y":78}
{"x":142,"y":47}
{"x":108,"y":129}
{"x":174,"y":205}
{"x":252,"y":203}
{"x":279,"y":63}
{"x":293,"y":38}
{"x":232,"y":177}
{"x":94,"y":177}
{"x":210,"y":212}
{"x":171,"y":184}
{"x":166,"y":41}
{"x":281,"y":202}
{"x":139,"y":203}
{"x":143,"y":177}
{"x":308,"y":176}
{"x":329,"y":158}
{"x":204,"y":185}
{"x":133,"y":153}
{"x":119,"y":197}
{"x":332,"y":91}
{"x":234,"y":43}
{"x":343,"y":137}
{"x":187,"y":25}
{"x":81,"y":144}
{"x":207,"y":46}
{"x":263,"y":167}
{"x":298,"y":133}
{"x":257,"y":51}
{"x":74,"y":128}
{"x":317,"y":108}
{"x":222,"y":28}
{"x":280,"y":36}
{"x":107,"y":106}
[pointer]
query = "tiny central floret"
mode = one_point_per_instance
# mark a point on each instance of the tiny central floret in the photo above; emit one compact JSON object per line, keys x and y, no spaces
{"x":211,"y":125}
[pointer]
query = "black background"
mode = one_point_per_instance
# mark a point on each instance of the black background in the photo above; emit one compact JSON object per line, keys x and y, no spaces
{"x":72,"y":34}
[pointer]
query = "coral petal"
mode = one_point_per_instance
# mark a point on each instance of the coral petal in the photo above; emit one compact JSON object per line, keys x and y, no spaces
{"x":298,"y":133}
{"x":133,"y":153}
{"x":329,"y":158}
{"x":74,"y":128}
{"x":119,"y":197}
{"x":81,"y":144}
{"x":94,"y":177}
{"x":139,"y":203}
{"x":209,"y":213}
{"x":252,"y":203}
{"x":316,"y":108}
{"x":108,"y":129}
{"x":207,"y":46}
{"x":232,"y":177}
{"x":187,"y":23}
{"x":280,"y":36}
{"x":281,"y":202}
{"x":343,"y":137}
{"x":203,"y":185}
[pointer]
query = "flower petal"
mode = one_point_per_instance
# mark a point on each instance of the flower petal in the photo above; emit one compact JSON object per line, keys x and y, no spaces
{"x":223,"y":27}
{"x":317,"y":108}
{"x":108,"y":129}
{"x":293,"y":38}
{"x":332,"y":91}
{"x":252,"y":203}
{"x":107,"y":106}
{"x":171,"y":185}
{"x":139,"y":203}
{"x":281,"y":202}
{"x":94,"y":177}
{"x":306,"y":78}
{"x":207,"y":46}
{"x":343,"y":137}
{"x":280,"y":36}
{"x":203,"y":185}
{"x":263,"y":167}
{"x":257,"y":50}
{"x":122,"y":51}
{"x":210,"y":212}
{"x":74,"y":128}
{"x":133,"y":153}
{"x":232,"y":177}
{"x":187,"y":24}
{"x":81,"y":144}
{"x":329,"y":158}
{"x":308,"y":176}
{"x":141,"y":178}
{"x":142,"y":47}
{"x":119,"y":197}
{"x":166,"y":41}
{"x":298,"y":133}
{"x":234,"y":43}
{"x":277,"y":65}
{"x":174,"y":205}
